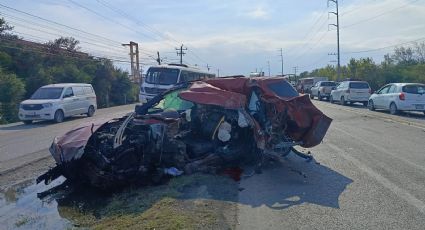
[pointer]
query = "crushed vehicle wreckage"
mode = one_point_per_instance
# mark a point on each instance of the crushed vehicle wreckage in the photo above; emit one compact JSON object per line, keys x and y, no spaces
{"x":203,"y":126}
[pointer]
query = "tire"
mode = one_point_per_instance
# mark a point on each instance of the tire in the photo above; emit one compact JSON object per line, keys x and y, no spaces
{"x":311,"y":96}
{"x":59,"y":116}
{"x":365,"y":104}
{"x":331,"y":99}
{"x":319,"y":97}
{"x":343,"y":102}
{"x":27,"y":122}
{"x":371,"y":105}
{"x":393,"y":109}
{"x":91,"y":111}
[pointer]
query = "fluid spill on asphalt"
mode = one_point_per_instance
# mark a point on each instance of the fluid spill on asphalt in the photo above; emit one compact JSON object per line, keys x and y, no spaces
{"x":20,"y":208}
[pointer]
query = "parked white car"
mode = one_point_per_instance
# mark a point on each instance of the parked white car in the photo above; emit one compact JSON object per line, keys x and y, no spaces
{"x":57,"y":101}
{"x":351,"y":92}
{"x":397,"y":97}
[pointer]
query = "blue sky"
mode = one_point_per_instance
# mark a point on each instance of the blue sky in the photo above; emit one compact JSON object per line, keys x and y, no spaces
{"x":236,"y":36}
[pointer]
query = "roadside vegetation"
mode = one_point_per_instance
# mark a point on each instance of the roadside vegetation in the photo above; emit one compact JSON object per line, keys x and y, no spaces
{"x":405,"y":64}
{"x":191,"y":202}
{"x":25,"y":66}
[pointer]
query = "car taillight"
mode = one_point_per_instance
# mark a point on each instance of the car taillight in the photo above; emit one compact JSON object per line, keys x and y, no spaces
{"x":347,"y":91}
{"x":402,"y":97}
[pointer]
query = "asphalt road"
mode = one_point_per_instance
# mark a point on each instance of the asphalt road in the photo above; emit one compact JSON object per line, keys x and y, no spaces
{"x":369,"y":173}
{"x":20,"y":143}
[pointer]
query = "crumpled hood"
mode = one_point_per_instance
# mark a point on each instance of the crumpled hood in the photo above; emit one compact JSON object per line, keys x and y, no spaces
{"x":70,"y":146}
{"x":308,"y":124}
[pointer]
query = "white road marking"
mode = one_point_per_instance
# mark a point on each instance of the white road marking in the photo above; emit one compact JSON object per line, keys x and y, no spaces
{"x":401,"y":193}
{"x":421,"y":167}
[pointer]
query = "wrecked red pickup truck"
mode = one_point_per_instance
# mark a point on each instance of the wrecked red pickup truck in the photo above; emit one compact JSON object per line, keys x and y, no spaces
{"x":204,"y":126}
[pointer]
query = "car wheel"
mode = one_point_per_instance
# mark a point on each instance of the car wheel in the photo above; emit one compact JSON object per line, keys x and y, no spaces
{"x":371,"y":106}
{"x":59,"y":116}
{"x":393,"y":109}
{"x":91,"y":111}
{"x":365,"y":104}
{"x":331,"y":99}
{"x":343,"y":102}
{"x":28,"y":122}
{"x":311,"y":96}
{"x":319,"y":97}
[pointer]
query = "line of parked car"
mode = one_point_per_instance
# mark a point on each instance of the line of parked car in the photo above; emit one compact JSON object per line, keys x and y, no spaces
{"x":394,"y":97}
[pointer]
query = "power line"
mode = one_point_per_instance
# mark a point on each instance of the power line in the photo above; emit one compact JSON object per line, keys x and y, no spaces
{"x":109,"y":19}
{"x":57,"y":23}
{"x":149,"y":28}
{"x":385,"y":47}
{"x":379,"y":15}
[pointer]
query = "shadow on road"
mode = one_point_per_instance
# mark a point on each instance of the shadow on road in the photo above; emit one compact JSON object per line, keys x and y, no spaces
{"x":294,"y":182}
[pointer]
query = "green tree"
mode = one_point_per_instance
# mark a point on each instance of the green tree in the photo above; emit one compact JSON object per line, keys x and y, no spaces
{"x":11,"y":91}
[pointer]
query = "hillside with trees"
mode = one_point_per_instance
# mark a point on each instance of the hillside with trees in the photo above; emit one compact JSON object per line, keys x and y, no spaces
{"x":25,"y":66}
{"x":405,"y":64}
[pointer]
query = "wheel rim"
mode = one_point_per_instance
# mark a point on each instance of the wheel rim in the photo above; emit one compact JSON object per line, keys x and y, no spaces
{"x":91,"y":110}
{"x":59,"y":116}
{"x":370,"y":105}
{"x":393,"y":109}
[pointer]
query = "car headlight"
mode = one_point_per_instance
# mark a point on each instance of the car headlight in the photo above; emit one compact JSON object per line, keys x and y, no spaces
{"x":47,"y":105}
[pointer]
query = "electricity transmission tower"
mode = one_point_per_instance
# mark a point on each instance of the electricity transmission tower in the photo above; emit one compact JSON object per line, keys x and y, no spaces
{"x":134,"y":61}
{"x":180,"y":53}
{"x":336,"y":13}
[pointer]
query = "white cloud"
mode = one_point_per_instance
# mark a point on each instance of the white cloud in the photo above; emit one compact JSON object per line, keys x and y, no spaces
{"x":258,"y":13}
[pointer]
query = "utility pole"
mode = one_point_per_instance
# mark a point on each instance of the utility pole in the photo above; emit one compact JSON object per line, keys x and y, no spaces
{"x":337,"y":34}
{"x":218,"y":72}
{"x":281,"y":59}
{"x":295,"y":72}
{"x":134,"y":61}
{"x":181,"y":53}
{"x":159,"y":58}
{"x":268,"y":67}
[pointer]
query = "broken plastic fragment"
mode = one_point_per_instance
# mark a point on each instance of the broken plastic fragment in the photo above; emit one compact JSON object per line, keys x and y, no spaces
{"x":224,"y":132}
{"x":242,"y":121}
{"x":173,"y":171}
{"x":188,"y":117}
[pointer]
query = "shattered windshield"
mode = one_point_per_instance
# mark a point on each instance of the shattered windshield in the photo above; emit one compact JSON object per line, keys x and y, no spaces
{"x":283,"y":89}
{"x":47,"y":93}
{"x":162,"y":76}
{"x":172,"y":101}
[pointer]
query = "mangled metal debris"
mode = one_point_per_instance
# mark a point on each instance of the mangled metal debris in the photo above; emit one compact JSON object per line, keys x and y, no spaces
{"x":203,"y":126}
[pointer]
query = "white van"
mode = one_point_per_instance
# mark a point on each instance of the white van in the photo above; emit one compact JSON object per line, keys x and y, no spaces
{"x":57,"y":101}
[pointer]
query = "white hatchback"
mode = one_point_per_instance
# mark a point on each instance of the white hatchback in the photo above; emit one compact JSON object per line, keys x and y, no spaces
{"x":397,"y":97}
{"x":57,"y":101}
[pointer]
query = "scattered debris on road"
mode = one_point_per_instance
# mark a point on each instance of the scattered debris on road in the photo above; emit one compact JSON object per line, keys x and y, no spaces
{"x":208,"y":126}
